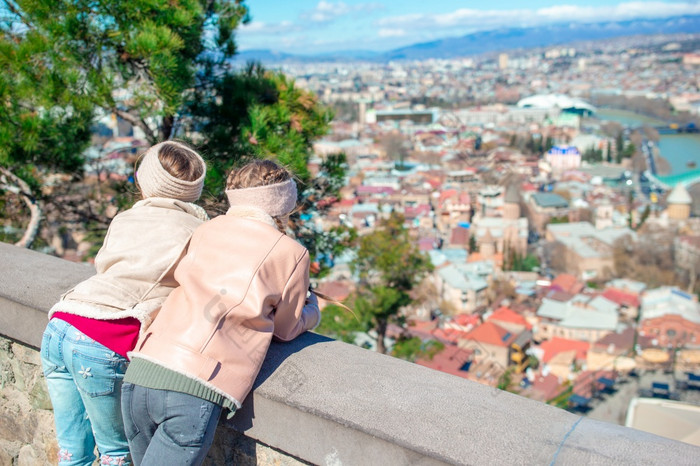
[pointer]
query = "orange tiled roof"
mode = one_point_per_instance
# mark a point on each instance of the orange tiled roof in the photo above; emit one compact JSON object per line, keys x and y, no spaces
{"x":450,"y":360}
{"x":492,"y":334}
{"x":466,"y":319}
{"x":449,"y":335}
{"x":567,"y":282}
{"x":620,"y":297}
{"x":557,"y":345}
{"x":505,"y":314}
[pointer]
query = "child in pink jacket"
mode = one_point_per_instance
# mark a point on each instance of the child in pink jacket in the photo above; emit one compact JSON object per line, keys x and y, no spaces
{"x":242,"y":282}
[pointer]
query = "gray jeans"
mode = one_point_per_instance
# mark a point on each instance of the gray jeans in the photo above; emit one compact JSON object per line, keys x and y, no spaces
{"x":167,"y":427}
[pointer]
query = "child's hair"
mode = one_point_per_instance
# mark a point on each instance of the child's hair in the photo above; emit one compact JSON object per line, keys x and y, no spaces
{"x":257,"y":173}
{"x":260,"y":173}
{"x":171,"y":169}
{"x":180,"y":160}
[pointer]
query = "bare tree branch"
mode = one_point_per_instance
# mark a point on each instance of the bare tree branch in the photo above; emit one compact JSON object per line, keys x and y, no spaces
{"x":11,"y":182}
{"x":140,"y":122}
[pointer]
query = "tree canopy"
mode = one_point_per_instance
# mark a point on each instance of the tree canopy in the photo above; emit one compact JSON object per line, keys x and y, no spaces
{"x":137,"y":59}
{"x":164,"y":68}
{"x":389,"y":265}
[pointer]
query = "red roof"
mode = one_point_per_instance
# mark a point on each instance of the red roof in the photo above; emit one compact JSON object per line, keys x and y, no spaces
{"x":567,"y":282}
{"x":412,"y":212}
{"x":449,"y":360}
{"x":459,"y":236}
{"x":446,"y":194}
{"x":621,"y":297}
{"x":558,"y":345}
{"x":449,"y":335}
{"x":365,"y":189}
{"x":505,"y":314}
{"x":546,"y":385}
{"x":492,"y":334}
{"x":435,"y":183}
{"x":327,"y":201}
{"x":466,"y":319}
{"x":426,"y":244}
{"x":422,"y":329}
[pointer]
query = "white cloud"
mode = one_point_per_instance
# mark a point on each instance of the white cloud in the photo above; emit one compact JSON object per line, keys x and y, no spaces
{"x":326,"y":12}
{"x":260,"y":28}
{"x":472,"y":19}
{"x":395,"y":31}
{"x":391,"y":32}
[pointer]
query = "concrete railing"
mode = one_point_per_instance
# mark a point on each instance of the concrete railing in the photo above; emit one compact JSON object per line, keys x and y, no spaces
{"x":325,"y":402}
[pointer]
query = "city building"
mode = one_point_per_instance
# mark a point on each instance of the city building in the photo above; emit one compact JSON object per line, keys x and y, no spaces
{"x":490,"y":341}
{"x":670,"y":317}
{"x":558,"y":101}
{"x":588,"y":251}
{"x":686,"y":253}
{"x":463,"y":285}
{"x":542,"y":207}
{"x":579,"y":318}
{"x":563,"y":158}
{"x":679,"y":203}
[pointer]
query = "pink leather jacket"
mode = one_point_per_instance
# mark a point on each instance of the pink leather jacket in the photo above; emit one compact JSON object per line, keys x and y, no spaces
{"x":241,"y":282}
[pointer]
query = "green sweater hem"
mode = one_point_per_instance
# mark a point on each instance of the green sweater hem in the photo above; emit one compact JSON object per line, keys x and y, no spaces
{"x":151,"y":375}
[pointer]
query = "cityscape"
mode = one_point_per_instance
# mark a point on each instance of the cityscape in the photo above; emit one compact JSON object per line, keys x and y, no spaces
{"x":525,"y":218}
{"x":528,"y":167}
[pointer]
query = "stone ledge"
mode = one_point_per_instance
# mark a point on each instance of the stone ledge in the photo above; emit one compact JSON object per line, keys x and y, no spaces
{"x":326,"y":402}
{"x":30,"y":284}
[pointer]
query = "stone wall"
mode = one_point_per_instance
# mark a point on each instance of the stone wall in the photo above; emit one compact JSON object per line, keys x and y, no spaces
{"x":27,"y":435}
{"x":322,"y":401}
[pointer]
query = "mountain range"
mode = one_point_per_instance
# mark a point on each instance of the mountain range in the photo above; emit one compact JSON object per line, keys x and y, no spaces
{"x":496,"y":40}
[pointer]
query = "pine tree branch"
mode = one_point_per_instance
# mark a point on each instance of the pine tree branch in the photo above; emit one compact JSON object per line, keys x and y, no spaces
{"x":15,"y":10}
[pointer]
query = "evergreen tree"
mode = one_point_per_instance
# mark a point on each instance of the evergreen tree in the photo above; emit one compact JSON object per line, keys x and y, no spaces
{"x":549,"y":143}
{"x":136,"y":59}
{"x":389,"y":265}
{"x":473,"y":246}
{"x":255,"y":113}
{"x":44,"y":123}
{"x":164,"y":68}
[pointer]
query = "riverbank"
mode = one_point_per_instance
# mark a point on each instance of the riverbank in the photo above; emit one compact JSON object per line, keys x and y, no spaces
{"x":673,"y":152}
{"x":662,"y":165}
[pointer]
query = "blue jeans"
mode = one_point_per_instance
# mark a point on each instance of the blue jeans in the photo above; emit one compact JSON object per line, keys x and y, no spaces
{"x":168,"y":427}
{"x":84,"y":380}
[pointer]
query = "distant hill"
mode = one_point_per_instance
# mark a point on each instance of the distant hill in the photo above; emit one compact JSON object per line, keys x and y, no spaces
{"x":543,"y":36}
{"x":264,"y":55}
{"x":496,"y":40}
{"x":268,"y":56}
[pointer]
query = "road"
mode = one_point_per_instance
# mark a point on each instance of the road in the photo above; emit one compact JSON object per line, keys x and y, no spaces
{"x":613,"y":407}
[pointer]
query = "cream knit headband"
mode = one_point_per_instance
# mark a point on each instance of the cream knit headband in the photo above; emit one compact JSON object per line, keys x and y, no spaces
{"x":155,"y":181}
{"x":275,"y":199}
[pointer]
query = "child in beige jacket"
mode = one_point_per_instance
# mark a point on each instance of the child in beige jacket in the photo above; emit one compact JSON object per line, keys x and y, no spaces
{"x":96,"y":323}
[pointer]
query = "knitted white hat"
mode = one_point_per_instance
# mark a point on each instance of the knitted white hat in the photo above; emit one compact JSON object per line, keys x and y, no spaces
{"x":275,"y":199}
{"x":155,"y":181}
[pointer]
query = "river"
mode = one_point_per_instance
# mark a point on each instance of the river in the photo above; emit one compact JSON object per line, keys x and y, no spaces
{"x":677,"y":149}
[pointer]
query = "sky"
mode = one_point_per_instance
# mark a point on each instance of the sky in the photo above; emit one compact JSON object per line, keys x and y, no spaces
{"x":320,"y":26}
